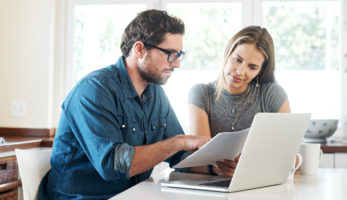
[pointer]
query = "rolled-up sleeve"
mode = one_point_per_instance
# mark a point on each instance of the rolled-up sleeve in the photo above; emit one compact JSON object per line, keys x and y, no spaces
{"x":123,"y":158}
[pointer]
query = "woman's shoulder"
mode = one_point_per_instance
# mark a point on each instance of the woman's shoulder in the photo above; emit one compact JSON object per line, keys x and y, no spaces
{"x":271,"y":86}
{"x":203,"y":87}
{"x":273,"y":89}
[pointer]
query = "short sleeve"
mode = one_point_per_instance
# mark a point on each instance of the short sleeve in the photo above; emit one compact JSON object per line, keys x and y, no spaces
{"x":198,"y":96}
{"x":274,"y":97}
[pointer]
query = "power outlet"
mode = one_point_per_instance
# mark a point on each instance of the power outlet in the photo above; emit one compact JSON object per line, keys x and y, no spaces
{"x":18,"y":108}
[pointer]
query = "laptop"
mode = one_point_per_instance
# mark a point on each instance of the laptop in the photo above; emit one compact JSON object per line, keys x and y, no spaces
{"x":267,"y":156}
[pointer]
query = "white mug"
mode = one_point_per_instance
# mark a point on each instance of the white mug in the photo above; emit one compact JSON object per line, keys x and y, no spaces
{"x":311,"y":156}
{"x":295,"y":165}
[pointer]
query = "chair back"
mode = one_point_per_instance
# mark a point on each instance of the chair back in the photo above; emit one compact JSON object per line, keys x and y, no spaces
{"x":33,"y":164}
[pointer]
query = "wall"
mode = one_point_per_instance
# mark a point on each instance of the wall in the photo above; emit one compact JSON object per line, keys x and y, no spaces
{"x":344,"y":68}
{"x":27,"y":61}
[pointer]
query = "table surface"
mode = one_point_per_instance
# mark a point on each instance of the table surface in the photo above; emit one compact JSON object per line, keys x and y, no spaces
{"x":328,"y":184}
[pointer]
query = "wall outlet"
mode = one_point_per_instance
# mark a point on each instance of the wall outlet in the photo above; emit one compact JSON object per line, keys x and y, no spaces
{"x":18,"y":107}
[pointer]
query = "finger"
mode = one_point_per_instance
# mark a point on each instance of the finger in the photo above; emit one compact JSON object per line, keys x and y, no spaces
{"x":230,"y":163}
{"x":218,"y":171}
{"x":237,"y":158}
{"x":225,"y":169}
{"x":202,"y":140}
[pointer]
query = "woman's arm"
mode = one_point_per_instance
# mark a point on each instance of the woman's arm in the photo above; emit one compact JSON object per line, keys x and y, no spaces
{"x":198,"y":121}
{"x":198,"y":125}
{"x":285,"y":108}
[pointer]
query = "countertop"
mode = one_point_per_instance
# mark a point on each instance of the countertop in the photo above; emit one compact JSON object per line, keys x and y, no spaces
{"x":328,"y":184}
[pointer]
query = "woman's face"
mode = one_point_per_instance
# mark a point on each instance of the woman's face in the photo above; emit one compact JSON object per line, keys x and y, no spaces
{"x":243,"y":65}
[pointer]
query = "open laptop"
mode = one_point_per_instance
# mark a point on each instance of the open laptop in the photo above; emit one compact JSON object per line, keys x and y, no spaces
{"x":267,"y":156}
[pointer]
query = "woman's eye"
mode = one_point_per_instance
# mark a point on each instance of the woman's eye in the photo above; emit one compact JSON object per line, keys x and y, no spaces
{"x":253,"y":67}
{"x":237,"y":60}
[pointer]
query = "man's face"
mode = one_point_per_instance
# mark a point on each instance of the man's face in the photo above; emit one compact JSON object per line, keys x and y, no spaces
{"x":155,"y":68}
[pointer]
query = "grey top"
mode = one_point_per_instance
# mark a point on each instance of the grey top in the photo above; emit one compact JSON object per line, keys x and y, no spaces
{"x":267,"y":97}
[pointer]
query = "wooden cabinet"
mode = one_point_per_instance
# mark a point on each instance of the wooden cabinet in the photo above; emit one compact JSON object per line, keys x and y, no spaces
{"x":9,"y":183}
{"x":9,"y":178}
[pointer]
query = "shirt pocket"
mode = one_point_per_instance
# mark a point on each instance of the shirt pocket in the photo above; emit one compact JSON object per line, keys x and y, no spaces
{"x":131,"y":132}
{"x":157,"y":129}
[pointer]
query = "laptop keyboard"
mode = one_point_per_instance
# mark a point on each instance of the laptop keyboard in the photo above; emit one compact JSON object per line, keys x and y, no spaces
{"x":224,"y":183}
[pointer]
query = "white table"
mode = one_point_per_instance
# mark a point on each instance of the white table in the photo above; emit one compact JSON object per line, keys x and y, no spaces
{"x":329,"y":184}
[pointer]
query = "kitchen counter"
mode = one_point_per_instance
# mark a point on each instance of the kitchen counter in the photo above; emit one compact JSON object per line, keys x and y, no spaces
{"x":334,"y":147}
{"x":328,"y":184}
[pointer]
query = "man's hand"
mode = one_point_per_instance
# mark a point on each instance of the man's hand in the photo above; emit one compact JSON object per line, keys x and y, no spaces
{"x":147,"y":156}
{"x":191,"y":142}
{"x":226,"y":167}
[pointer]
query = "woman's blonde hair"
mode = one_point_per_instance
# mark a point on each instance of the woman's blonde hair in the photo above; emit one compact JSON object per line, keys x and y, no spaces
{"x":262,"y":40}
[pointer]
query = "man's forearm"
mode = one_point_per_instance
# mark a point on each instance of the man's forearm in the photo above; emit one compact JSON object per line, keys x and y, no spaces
{"x":147,"y":156}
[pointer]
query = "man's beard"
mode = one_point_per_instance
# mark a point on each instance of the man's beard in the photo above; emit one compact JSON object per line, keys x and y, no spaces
{"x":150,"y":77}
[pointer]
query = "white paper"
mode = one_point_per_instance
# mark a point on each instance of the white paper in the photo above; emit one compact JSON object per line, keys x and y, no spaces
{"x":225,"y":145}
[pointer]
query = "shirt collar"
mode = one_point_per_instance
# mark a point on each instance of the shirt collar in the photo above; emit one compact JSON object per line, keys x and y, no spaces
{"x":127,"y":84}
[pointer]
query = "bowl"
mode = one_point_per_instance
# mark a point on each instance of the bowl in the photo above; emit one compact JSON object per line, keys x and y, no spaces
{"x":320,"y":129}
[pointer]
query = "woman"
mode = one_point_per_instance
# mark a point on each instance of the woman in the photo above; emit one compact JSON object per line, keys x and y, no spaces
{"x":245,"y":86}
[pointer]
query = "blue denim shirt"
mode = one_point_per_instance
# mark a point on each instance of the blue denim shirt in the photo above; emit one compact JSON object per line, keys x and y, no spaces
{"x":102,"y":119}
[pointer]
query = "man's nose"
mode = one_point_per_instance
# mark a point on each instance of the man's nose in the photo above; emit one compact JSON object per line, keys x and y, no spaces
{"x":176,"y":64}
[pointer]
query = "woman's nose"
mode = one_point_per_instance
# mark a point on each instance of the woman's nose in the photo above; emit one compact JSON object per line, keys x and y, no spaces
{"x":239,"y":69}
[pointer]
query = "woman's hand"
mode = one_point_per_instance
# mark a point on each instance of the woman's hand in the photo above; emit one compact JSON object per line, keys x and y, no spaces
{"x":226,"y":167}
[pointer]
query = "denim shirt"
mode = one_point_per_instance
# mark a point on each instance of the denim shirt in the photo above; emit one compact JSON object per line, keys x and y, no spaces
{"x":102,"y":119}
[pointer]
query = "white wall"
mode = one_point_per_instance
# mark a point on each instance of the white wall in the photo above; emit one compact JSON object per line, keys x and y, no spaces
{"x":344,"y":68}
{"x":27,"y":39}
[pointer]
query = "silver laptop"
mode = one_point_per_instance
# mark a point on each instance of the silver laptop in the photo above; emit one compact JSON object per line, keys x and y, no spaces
{"x":267,"y":156}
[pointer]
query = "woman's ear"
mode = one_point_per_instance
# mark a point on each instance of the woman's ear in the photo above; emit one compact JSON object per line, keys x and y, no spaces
{"x":139,"y":49}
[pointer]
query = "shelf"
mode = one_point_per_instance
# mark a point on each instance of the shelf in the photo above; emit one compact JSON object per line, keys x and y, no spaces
{"x":10,"y":185}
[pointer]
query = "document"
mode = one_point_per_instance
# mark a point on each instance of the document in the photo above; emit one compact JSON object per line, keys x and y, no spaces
{"x":225,"y":145}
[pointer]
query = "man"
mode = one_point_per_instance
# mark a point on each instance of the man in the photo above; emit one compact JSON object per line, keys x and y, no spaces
{"x":117,"y":123}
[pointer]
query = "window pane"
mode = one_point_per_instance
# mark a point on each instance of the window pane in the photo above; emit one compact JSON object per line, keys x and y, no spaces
{"x":209,"y":26}
{"x":306,"y":37}
{"x":97,"y":34}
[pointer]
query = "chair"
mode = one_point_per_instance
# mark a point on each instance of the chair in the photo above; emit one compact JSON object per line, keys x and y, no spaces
{"x":33,"y":164}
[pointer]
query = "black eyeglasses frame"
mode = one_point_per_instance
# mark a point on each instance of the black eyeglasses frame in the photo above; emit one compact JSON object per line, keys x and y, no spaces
{"x":179,"y":54}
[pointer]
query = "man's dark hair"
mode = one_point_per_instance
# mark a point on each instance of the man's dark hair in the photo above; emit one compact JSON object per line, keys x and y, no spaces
{"x":149,"y":27}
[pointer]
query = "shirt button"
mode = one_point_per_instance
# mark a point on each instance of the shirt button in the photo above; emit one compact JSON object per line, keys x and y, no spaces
{"x":153,"y":127}
{"x":134,"y":129}
{"x":165,"y":125}
{"x":123,"y":125}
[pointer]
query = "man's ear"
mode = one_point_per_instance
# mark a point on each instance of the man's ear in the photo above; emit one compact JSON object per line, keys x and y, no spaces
{"x":139,"y":49}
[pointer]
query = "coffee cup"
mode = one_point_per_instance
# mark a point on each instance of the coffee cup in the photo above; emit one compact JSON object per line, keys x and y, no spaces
{"x":311,"y":156}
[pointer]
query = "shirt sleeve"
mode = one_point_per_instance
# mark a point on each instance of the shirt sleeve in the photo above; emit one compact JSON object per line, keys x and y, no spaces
{"x":91,"y":116}
{"x":123,"y":158}
{"x":198,"y":96}
{"x":274,"y":97}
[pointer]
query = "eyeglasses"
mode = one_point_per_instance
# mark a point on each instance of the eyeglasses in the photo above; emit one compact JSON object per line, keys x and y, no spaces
{"x":171,"y":55}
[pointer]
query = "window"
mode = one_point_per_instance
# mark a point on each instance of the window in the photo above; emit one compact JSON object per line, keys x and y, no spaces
{"x":307,"y":39}
{"x":306,"y":34}
{"x":209,"y":26}
{"x":97,"y":31}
